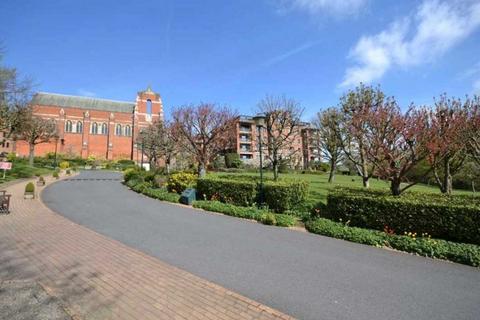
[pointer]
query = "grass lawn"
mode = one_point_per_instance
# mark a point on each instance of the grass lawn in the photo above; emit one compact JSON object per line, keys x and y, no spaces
{"x":21,"y":169}
{"x":319,"y":186}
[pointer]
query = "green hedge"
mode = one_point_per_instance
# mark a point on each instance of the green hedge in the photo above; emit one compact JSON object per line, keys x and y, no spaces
{"x":146,"y":188}
{"x":458,"y":252}
{"x":455,"y":218}
{"x":284,"y":195}
{"x":237,"y":192}
{"x":253,"y":213}
{"x":279,"y":196}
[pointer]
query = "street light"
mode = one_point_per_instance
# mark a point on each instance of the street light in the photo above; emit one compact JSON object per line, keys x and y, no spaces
{"x":260,"y":124}
{"x":56,"y":145}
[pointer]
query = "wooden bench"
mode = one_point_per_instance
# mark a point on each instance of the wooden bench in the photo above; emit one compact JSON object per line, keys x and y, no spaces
{"x":4,"y":202}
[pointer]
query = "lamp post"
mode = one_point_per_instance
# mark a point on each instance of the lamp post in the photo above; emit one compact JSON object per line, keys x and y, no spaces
{"x":56,"y":144}
{"x":260,"y":123}
{"x":141,"y":160}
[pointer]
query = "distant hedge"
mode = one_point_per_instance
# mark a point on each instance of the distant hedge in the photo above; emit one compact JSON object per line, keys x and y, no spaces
{"x":455,"y":218}
{"x":280,"y":196}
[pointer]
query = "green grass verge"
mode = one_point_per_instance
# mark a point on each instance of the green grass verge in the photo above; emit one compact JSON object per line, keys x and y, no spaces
{"x":264,"y":216}
{"x":21,"y":170}
{"x":468,"y":254}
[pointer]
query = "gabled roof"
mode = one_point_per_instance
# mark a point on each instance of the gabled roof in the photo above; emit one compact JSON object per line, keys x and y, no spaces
{"x":87,"y":103}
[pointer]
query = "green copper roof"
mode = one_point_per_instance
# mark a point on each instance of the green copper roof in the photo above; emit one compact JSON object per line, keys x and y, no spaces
{"x":87,"y":103}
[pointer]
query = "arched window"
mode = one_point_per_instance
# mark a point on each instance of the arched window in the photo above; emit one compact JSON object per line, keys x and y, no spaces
{"x":149,"y":107}
{"x":79,"y":127}
{"x":104,"y":128}
{"x":128,"y":131}
{"x":94,"y":129}
{"x":68,"y":126}
{"x":118,"y":130}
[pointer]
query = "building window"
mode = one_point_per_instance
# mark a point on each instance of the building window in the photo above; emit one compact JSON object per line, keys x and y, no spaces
{"x":79,"y":127}
{"x":118,"y":129}
{"x":94,"y":129}
{"x":149,"y":107}
{"x":68,"y":126}
{"x":128,"y":131}
{"x":104,"y":128}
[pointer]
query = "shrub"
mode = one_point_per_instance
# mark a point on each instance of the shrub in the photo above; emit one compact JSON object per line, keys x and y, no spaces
{"x":11,"y":156}
{"x":454,"y":218}
{"x":281,"y":196}
{"x":55,"y":175}
{"x":64,"y":165}
{"x":285,"y":220}
{"x":30,"y":187}
{"x":237,"y":192}
{"x":161,"y":194}
{"x":131,"y":173}
{"x":68,"y":172}
{"x":269,"y":219}
{"x":178,"y":182}
{"x":425,"y":246}
{"x":232,"y":160}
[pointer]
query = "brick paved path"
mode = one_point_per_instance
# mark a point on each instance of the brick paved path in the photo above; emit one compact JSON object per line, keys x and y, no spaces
{"x":99,"y":278}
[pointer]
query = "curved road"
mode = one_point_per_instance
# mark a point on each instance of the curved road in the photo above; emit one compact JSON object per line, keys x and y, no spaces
{"x":304,"y":275}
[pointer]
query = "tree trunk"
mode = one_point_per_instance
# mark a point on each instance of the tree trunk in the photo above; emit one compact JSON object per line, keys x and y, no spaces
{"x":31,"y":154}
{"x":167,"y":167}
{"x":366,"y":181}
{"x":275,"y":170}
{"x":331,"y":177}
{"x":201,"y":170}
{"x":447,"y":177}
{"x":395,"y":187}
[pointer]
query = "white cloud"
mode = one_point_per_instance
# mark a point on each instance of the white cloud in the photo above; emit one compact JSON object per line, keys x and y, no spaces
{"x":337,"y":7}
{"x":421,"y":38}
{"x":86,"y":93}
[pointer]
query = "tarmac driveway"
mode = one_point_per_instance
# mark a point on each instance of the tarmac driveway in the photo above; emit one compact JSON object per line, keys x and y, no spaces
{"x":304,"y":275}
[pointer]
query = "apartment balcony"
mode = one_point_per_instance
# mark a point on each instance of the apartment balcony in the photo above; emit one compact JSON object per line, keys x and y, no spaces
{"x":249,"y":141}
{"x":245,"y":130}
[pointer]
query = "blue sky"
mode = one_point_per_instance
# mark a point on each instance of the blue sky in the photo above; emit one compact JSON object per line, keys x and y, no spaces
{"x":236,"y":52}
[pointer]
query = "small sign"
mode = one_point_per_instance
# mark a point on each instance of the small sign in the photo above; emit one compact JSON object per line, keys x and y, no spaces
{"x":6,"y":165}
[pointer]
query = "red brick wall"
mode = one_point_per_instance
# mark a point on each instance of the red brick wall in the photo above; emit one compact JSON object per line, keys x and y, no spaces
{"x":101,"y":146}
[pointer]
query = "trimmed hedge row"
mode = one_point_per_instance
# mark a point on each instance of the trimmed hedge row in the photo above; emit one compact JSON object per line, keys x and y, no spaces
{"x":455,"y":218}
{"x":156,"y":193}
{"x":280,"y":196}
{"x":238,"y":192}
{"x":253,"y":213}
{"x":458,"y":252}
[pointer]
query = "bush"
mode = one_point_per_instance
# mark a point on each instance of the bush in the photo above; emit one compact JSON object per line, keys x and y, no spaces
{"x":68,"y":172}
{"x":281,"y":196}
{"x":269,"y":219}
{"x":454,"y":218}
{"x":237,"y":192}
{"x":132,"y":173}
{"x":64,"y":165}
{"x":425,"y":246}
{"x":161,"y":194}
{"x":285,"y":220}
{"x":30,"y":187}
{"x":178,"y":182}
{"x":55,"y":175}
{"x":232,"y":160}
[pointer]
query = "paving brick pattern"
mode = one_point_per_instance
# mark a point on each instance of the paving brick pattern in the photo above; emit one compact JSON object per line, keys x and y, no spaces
{"x":96,"y":277}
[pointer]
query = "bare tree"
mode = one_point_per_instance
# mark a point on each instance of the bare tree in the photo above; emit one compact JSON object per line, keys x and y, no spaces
{"x":399,"y":142}
{"x":35,"y":130}
{"x":447,"y":146}
{"x":204,"y":131}
{"x":472,"y":107}
{"x":283,"y":124}
{"x":356,"y":107}
{"x":15,"y":95}
{"x":157,"y":143}
{"x":326,"y":138}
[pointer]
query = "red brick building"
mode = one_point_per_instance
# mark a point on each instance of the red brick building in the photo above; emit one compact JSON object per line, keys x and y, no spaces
{"x":105,"y":129}
{"x":300,"y":149}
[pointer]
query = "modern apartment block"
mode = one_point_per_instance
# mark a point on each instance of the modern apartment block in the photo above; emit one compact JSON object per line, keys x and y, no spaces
{"x":299,"y":151}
